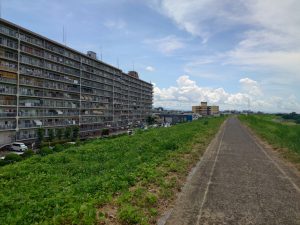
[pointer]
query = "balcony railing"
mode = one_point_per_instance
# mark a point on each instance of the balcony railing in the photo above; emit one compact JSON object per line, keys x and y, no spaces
{"x":24,"y":136}
{"x":8,"y":114}
{"x":7,"y":126}
{"x":7,"y":102}
{"x":8,"y":80}
{"x":4,"y":90}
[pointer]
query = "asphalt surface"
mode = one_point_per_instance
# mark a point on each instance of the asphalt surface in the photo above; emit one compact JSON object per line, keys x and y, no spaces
{"x":238,"y":181}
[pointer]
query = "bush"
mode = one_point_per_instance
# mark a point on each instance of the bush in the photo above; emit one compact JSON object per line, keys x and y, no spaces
{"x":150,"y":120}
{"x":3,"y":162}
{"x":51,"y":134}
{"x":28,"y":153}
{"x":68,"y":132}
{"x":59,"y":133}
{"x":12,"y":157}
{"x":104,"y":132}
{"x":40,"y":134}
{"x":75,"y":133}
{"x":45,"y":151}
{"x":58,"y":148}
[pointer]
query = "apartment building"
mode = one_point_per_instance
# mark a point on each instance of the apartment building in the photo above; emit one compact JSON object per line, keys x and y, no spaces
{"x":205,"y":110}
{"x":47,"y":84}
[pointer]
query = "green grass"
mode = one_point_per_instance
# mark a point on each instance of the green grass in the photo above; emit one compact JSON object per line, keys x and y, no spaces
{"x":280,"y":135}
{"x":70,"y":187}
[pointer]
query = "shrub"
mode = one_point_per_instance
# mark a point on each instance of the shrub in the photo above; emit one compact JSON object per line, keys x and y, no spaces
{"x":75,"y":133}
{"x":150,"y":120}
{"x":50,"y":134}
{"x":28,"y":153}
{"x":3,"y":162}
{"x":12,"y":157}
{"x":59,"y":133}
{"x":68,"y":132}
{"x":40,"y":134}
{"x":104,"y":132}
{"x":45,"y":151}
{"x":58,"y":148}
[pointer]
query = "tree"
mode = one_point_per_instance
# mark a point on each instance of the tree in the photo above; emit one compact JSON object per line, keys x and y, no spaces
{"x":104,"y":132}
{"x":40,"y":134}
{"x":75,"y":133}
{"x":59,"y":133}
{"x":150,"y":120}
{"x":50,"y":134}
{"x":68,"y":132}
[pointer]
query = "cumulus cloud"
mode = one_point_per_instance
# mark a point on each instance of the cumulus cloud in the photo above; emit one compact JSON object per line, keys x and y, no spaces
{"x":150,"y":68}
{"x":187,"y":93}
{"x":166,"y":45}
{"x":250,"y":86}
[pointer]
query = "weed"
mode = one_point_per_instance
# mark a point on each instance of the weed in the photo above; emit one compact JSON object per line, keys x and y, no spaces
{"x":67,"y":187}
{"x":129,"y":214}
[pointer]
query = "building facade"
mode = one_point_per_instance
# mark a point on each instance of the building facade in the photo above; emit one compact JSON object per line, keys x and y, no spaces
{"x":47,"y":84}
{"x":205,"y":110}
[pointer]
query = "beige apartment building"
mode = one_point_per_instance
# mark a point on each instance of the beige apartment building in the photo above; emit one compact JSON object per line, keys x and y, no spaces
{"x":47,"y":84}
{"x":205,"y":110}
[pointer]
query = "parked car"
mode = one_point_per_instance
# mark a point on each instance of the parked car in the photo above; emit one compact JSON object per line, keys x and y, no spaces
{"x":6,"y":148}
{"x":19,"y":146}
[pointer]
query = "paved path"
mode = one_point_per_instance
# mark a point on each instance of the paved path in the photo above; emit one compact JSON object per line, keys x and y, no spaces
{"x":238,"y":182}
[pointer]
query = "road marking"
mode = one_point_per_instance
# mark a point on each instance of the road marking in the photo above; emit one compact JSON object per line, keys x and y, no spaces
{"x":210,"y":177}
{"x":269,"y":157}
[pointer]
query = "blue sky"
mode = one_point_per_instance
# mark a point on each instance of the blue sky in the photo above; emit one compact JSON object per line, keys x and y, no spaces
{"x":236,"y":54}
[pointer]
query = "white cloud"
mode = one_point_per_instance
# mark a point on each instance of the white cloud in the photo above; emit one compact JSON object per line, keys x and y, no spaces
{"x":150,"y":68}
{"x":250,"y":86}
{"x":166,"y":45}
{"x":187,"y":93}
{"x":205,"y":18}
{"x":268,"y":32}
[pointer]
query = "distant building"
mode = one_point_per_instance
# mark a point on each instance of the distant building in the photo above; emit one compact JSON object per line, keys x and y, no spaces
{"x":204,"y":110}
{"x":213,"y":110}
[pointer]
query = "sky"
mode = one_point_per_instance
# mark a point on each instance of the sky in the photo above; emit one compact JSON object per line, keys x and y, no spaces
{"x":238,"y":54}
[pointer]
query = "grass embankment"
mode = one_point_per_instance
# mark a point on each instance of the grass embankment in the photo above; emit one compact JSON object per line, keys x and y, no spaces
{"x":283,"y":137}
{"x":123,"y":180}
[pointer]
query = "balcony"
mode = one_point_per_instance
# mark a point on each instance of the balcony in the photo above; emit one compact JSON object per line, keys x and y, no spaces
{"x":8,"y":102}
{"x":8,"y":80}
{"x":7,"y":90}
{"x":31,"y":93}
{"x":26,"y":136}
{"x":7,"y":126}
{"x":60,"y":123}
{"x":28,"y":125}
{"x":8,"y":114}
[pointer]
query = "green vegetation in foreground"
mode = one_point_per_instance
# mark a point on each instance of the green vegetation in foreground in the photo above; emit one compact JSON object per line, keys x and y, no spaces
{"x":279,"y":135}
{"x":73,"y":186}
